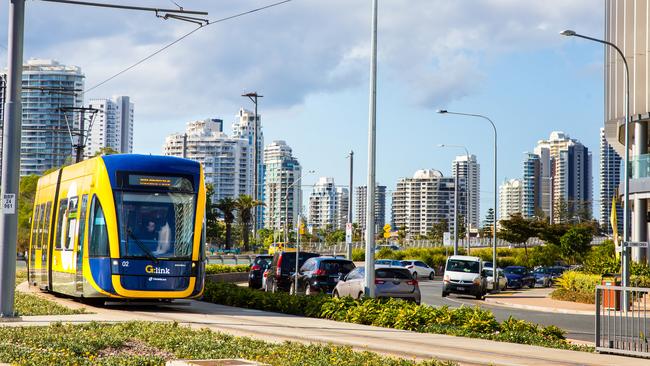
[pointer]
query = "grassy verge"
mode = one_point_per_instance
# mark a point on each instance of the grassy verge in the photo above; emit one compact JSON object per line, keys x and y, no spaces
{"x":142,"y":343}
{"x":397,"y":314}
{"x":226,"y":268}
{"x":27,"y":304}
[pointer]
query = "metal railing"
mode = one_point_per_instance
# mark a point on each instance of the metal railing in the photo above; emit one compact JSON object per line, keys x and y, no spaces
{"x":623,"y":329}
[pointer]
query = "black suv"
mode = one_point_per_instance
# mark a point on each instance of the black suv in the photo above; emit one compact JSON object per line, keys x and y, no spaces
{"x":321,"y":274}
{"x":282,"y":269}
{"x":259,"y":265}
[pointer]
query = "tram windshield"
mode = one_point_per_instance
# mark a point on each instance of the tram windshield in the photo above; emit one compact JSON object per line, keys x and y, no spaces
{"x":156,"y":225}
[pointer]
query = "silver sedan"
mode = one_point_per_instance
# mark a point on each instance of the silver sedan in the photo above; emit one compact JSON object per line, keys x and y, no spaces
{"x":393,"y":282}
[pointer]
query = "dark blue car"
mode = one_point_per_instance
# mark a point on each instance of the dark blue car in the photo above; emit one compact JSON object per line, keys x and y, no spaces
{"x":519,"y":277}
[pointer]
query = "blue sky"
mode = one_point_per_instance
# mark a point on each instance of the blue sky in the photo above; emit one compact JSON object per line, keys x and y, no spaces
{"x":501,"y":58}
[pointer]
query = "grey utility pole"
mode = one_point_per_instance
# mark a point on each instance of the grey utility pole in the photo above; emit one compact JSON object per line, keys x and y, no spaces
{"x":253,"y":97}
{"x":185,"y":146}
{"x":456,"y":210}
{"x":372,"y":139}
{"x":349,"y":242}
{"x":11,"y":137}
{"x":11,"y":158}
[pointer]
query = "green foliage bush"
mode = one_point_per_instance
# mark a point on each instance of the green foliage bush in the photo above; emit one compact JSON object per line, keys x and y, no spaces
{"x":464,"y":321}
{"x":226,"y":268}
{"x":111,"y":344}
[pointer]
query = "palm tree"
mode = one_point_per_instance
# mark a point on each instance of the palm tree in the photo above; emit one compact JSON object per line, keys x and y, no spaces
{"x":245,"y":205}
{"x":227,"y":205}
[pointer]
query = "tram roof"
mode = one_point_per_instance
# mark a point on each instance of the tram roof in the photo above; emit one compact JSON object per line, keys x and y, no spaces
{"x":150,"y":163}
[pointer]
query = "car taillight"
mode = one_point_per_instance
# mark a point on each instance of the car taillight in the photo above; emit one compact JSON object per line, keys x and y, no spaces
{"x":255,"y":268}
{"x":446,"y":279}
{"x":278,"y":271}
{"x":320,"y":272}
{"x":379,"y":282}
{"x":412,"y":282}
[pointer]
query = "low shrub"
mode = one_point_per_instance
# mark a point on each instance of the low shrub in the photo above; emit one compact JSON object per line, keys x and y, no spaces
{"x":572,"y":295}
{"x":226,"y":268}
{"x":464,"y":321}
{"x":141,"y":343}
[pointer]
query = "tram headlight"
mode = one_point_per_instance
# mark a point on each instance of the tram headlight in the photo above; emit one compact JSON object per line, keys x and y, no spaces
{"x":115,"y":263}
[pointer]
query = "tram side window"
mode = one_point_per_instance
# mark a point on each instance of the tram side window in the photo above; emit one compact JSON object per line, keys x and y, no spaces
{"x":46,"y":227}
{"x":82,"y":221}
{"x":36,"y":227}
{"x":98,"y":245}
{"x":72,"y":221}
{"x":60,"y":233}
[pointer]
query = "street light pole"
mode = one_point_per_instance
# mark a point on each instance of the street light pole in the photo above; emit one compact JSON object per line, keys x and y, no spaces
{"x":253,"y":97}
{"x":468,"y":205}
{"x":351,"y":192}
{"x":626,"y":182}
{"x":11,"y":157}
{"x":369,"y":279}
{"x":494,"y":228}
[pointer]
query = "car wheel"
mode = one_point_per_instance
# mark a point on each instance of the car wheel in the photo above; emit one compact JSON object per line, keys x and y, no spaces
{"x":415,"y":275}
{"x":360,"y":296}
{"x":431,"y":276}
{"x":308,"y":290}
{"x":335,"y":294}
{"x":292,"y":289}
{"x":445,"y":294}
{"x":480,"y":296}
{"x":531,"y":285}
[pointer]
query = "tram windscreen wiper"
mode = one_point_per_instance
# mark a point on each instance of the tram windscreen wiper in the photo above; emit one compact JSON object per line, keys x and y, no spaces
{"x":142,"y":246}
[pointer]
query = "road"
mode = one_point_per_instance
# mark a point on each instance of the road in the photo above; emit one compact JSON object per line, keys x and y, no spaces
{"x":579,"y":327}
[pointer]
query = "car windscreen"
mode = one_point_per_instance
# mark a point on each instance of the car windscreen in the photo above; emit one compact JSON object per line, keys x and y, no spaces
{"x":459,"y":265}
{"x":263,"y":262}
{"x":542,"y":270}
{"x":515,"y":270}
{"x":289,"y":260}
{"x":336,"y":266}
{"x":393,"y":273}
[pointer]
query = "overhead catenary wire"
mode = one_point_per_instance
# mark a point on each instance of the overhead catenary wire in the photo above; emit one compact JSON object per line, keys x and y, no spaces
{"x":168,"y":45}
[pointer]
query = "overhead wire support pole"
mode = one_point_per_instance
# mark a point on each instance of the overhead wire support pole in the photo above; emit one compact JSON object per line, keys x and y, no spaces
{"x":11,"y":157}
{"x":369,"y":279}
{"x":254,"y":97}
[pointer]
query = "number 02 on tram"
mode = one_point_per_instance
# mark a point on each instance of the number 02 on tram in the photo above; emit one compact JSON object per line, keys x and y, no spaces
{"x":120,"y":226}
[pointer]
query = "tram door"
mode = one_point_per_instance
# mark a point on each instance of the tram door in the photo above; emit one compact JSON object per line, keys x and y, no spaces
{"x":80,"y":245}
{"x":45,"y":245}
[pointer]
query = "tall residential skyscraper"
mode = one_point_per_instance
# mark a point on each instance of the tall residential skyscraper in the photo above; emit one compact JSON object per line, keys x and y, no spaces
{"x":425,"y":200}
{"x":328,"y":205}
{"x":112,"y":126}
{"x":470,"y":170}
{"x":531,"y":190}
{"x":244,"y":128}
{"x":565,"y":169}
{"x":510,"y":198}
{"x":226,"y":160}
{"x":282,"y":188}
{"x":48,"y":86}
{"x":610,"y":178}
{"x":359,"y":217}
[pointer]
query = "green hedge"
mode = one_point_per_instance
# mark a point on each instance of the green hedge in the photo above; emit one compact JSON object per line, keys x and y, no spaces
{"x":226,"y":268}
{"x":144,"y":343}
{"x":463,"y":321}
{"x":578,"y":286}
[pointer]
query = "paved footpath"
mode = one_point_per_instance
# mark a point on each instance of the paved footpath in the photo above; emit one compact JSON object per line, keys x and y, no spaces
{"x":279,"y":327}
{"x":539,"y":299}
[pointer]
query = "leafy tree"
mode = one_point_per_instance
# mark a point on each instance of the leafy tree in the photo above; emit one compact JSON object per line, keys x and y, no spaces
{"x":106,"y":151}
{"x":488,"y":224}
{"x":335,"y":236}
{"x":462,"y":230}
{"x":25,"y":208}
{"x":552,"y":233}
{"x":517,"y":230}
{"x":213,"y":228}
{"x":227,"y":206}
{"x":245,"y":205}
{"x":438,"y":230}
{"x":575,"y":243}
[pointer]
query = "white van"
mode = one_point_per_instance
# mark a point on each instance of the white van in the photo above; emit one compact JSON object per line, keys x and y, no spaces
{"x":464,"y":275}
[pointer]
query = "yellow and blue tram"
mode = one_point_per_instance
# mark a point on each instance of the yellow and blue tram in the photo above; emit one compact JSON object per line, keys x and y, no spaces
{"x":120,"y":226}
